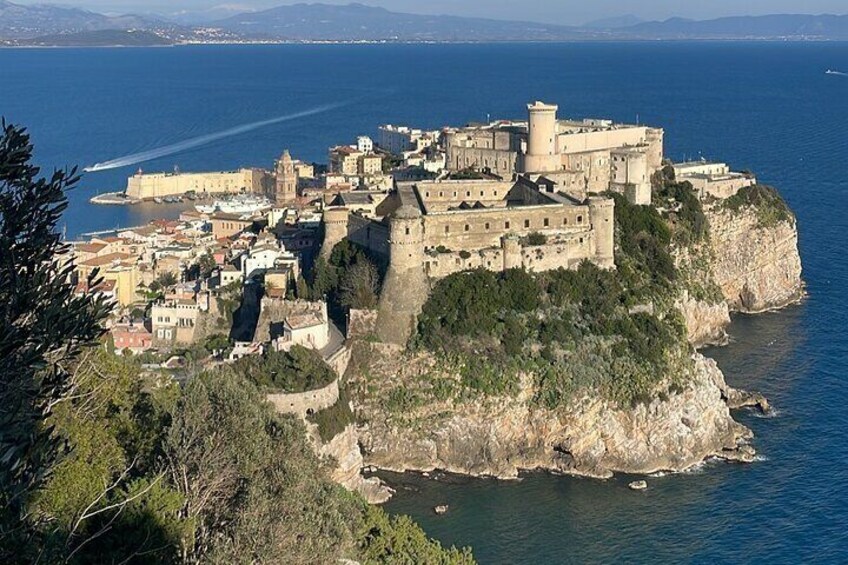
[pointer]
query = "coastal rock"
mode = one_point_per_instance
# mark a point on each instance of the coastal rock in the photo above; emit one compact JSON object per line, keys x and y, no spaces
{"x":758,"y":268}
{"x":441,"y":509}
{"x":638,"y":485}
{"x":705,"y":323}
{"x":344,"y":449}
{"x":498,"y":437}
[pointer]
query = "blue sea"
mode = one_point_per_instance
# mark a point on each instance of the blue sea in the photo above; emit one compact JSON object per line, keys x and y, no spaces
{"x":767,"y":107}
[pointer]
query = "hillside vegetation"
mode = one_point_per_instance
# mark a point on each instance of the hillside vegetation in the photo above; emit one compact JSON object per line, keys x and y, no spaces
{"x":614,"y":332}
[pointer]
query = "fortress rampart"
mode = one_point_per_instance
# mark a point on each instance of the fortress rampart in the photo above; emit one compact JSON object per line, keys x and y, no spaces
{"x":154,"y":185}
{"x":305,"y":403}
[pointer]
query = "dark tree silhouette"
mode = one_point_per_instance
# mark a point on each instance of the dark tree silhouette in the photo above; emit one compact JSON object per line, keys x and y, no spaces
{"x":43,"y":324}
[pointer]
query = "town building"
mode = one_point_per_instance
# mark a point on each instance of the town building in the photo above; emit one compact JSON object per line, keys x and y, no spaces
{"x":227,"y":225}
{"x":130,"y":336}
{"x":714,"y":180}
{"x":307,"y":325}
{"x":400,"y":139}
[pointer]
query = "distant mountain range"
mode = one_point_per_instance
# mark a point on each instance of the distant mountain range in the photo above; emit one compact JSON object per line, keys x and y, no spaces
{"x":44,"y":24}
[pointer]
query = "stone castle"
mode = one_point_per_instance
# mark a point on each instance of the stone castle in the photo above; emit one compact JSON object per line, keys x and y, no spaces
{"x":546,"y":216}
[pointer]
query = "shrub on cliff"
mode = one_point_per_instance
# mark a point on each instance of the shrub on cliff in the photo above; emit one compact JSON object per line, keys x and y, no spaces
{"x":297,"y":370}
{"x":770,"y":207}
{"x":684,"y":211}
{"x":333,"y":420}
{"x":561,"y":323}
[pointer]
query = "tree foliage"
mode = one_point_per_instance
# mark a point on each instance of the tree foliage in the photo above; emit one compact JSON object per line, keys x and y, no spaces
{"x":102,"y":463}
{"x":43,"y":324}
{"x":297,"y":370}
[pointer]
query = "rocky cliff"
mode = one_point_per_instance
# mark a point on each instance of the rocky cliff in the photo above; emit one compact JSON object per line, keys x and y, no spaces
{"x":501,"y":436}
{"x":756,"y":265}
{"x":415,"y":414}
{"x":753,"y":267}
{"x":348,"y":463}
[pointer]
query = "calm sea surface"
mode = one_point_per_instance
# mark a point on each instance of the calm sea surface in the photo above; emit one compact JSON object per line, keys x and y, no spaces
{"x":765,"y":107}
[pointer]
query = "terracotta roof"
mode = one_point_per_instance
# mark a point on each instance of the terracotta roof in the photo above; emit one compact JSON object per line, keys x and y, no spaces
{"x":106,"y":259}
{"x":299,"y":321}
{"x":90,"y":247}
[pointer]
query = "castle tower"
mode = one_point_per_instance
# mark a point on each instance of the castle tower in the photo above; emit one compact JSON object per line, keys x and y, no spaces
{"x":541,"y":156}
{"x":511,"y":245}
{"x":335,"y":229}
{"x":602,"y":216}
{"x":286,"y":183}
{"x":406,"y":286}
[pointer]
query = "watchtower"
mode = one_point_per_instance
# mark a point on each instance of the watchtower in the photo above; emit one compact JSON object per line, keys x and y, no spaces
{"x":405,"y":288}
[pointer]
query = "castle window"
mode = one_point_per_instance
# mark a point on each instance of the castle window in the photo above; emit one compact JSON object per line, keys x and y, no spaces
{"x":427,"y":194}
{"x":481,"y":193}
{"x":496,"y":193}
{"x":454,"y":194}
{"x":441,"y":194}
{"x":447,"y":229}
{"x":506,"y":225}
{"x":581,"y":240}
{"x":468,"y":193}
{"x":467,"y":227}
{"x":579,"y":219}
{"x":407,"y":231}
{"x":547,"y":222}
{"x":526,"y":223}
{"x":565,"y":221}
{"x":487,"y":226}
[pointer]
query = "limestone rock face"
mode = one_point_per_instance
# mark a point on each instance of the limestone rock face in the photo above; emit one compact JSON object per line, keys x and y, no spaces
{"x":344,"y":449}
{"x":499,"y":437}
{"x":757,"y":268}
{"x":705,"y":322}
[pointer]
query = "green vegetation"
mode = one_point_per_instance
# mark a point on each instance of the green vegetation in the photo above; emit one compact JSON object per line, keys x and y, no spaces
{"x":333,"y":420}
{"x":537,"y":238}
{"x":164,"y":281}
{"x":614,"y":332}
{"x":105,"y":464}
{"x":350,"y":279}
{"x":770,"y":207}
{"x":229,"y":301}
{"x":684,"y":212}
{"x":297,"y":370}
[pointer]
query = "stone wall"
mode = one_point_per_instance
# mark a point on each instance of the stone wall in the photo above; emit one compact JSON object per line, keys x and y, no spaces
{"x":369,"y":234}
{"x":304,"y":403}
{"x":440,"y":195}
{"x":169,"y":184}
{"x":361,"y":323}
{"x":476,"y":229}
{"x":562,"y":250}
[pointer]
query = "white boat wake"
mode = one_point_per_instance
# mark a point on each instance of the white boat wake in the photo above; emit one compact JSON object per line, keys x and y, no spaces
{"x":180,"y":146}
{"x":838,"y":73}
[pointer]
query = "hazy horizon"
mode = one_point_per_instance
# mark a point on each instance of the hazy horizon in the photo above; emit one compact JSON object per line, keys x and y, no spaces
{"x":568,"y":12}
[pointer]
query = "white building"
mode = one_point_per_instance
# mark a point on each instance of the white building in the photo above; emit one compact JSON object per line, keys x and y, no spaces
{"x":400,"y":139}
{"x":308,"y":329}
{"x":364,"y":144}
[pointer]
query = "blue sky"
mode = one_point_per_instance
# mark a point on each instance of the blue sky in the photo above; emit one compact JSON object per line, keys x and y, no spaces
{"x":550,"y":11}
